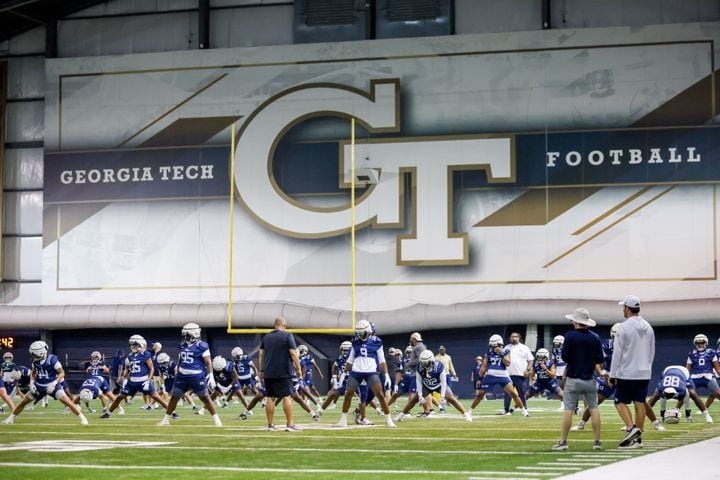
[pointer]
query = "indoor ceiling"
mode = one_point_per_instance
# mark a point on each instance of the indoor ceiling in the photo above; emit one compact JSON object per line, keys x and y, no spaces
{"x":17,"y":16}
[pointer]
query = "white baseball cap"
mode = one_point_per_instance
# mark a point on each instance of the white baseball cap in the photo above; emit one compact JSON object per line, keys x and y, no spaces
{"x":631,"y":301}
{"x":416,"y":336}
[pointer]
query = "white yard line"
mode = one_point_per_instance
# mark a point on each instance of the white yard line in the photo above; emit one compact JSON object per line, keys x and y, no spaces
{"x":259,"y":470}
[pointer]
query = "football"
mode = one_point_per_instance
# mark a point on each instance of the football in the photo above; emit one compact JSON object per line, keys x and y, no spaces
{"x":672,"y":416}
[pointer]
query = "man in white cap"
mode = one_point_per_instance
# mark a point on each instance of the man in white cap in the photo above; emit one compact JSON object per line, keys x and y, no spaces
{"x":631,"y":368}
{"x":582,"y":350}
{"x":416,"y":342}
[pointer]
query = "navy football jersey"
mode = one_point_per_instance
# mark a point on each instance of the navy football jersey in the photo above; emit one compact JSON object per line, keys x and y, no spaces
{"x":495,"y":365}
{"x":46,"y":370}
{"x":366,"y":356}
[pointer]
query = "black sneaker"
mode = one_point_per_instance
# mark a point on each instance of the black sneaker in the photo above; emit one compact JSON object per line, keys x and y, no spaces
{"x":292,"y":428}
{"x":635,"y":443}
{"x":560,"y":446}
{"x":272,"y":428}
{"x":631,"y":435}
{"x":597,"y":445}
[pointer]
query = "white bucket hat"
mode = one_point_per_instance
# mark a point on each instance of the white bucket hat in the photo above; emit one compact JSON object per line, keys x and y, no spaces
{"x":581,"y":316}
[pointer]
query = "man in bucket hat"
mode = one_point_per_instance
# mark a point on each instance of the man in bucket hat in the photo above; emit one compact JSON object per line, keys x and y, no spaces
{"x":631,"y":368}
{"x":582,"y":351}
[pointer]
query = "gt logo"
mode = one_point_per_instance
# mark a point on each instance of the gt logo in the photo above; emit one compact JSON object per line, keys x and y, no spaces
{"x":431,"y":162}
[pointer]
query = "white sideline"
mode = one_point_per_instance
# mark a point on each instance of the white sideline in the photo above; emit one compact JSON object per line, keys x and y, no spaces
{"x":670,"y":463}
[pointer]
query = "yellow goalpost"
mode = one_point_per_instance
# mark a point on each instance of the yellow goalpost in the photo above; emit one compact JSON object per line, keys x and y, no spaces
{"x":351,"y":329}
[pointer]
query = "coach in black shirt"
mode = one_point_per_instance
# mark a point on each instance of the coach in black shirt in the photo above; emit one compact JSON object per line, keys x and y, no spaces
{"x":582,"y":351}
{"x":278,"y":356}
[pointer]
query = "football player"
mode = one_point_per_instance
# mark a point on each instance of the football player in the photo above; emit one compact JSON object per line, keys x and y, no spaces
{"x":431,"y":377}
{"x":702,"y":363}
{"x":543,"y":375}
{"x":96,"y":387}
{"x":366,"y":356}
{"x":560,"y":364}
{"x":307,"y":364}
{"x":404,"y":383}
{"x":138,"y":375}
{"x":224,"y":379}
{"x":337,"y":388}
{"x":45,"y":378}
{"x":494,"y":372}
{"x":22,"y":381}
{"x":246,"y":374}
{"x":675,"y":383}
{"x":7,"y":380}
{"x":194,"y":372}
{"x":475,"y":377}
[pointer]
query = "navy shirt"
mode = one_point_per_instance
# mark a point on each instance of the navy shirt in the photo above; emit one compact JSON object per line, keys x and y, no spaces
{"x":581,"y":351}
{"x":277,"y":362}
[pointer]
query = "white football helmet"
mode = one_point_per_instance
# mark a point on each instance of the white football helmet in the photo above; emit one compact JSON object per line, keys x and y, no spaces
{"x":427,"y":359}
{"x":191,"y":332}
{"x":219,"y":363}
{"x":16,"y":375}
{"x":391,"y":351}
{"x":302,"y":350}
{"x":95,"y":357}
{"x":345,"y":348}
{"x":163,"y":359}
{"x":614,"y":330}
{"x":86,"y":395}
{"x":542,"y":354}
{"x":237,"y":353}
{"x":363,"y":330}
{"x":558,"y":341}
{"x":408,"y":350}
{"x":701,"y":341}
{"x":8,"y":357}
{"x":137,"y":343}
{"x":38,"y":350}
{"x":496,"y":341}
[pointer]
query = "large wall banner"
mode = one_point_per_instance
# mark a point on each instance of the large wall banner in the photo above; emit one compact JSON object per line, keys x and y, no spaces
{"x":538,"y":168}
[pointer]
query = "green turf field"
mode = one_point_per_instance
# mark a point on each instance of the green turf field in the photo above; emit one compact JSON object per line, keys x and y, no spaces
{"x":47,"y":444}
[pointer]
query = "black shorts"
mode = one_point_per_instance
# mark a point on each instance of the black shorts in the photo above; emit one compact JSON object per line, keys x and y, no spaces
{"x":629,"y":391}
{"x":278,"y":387}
